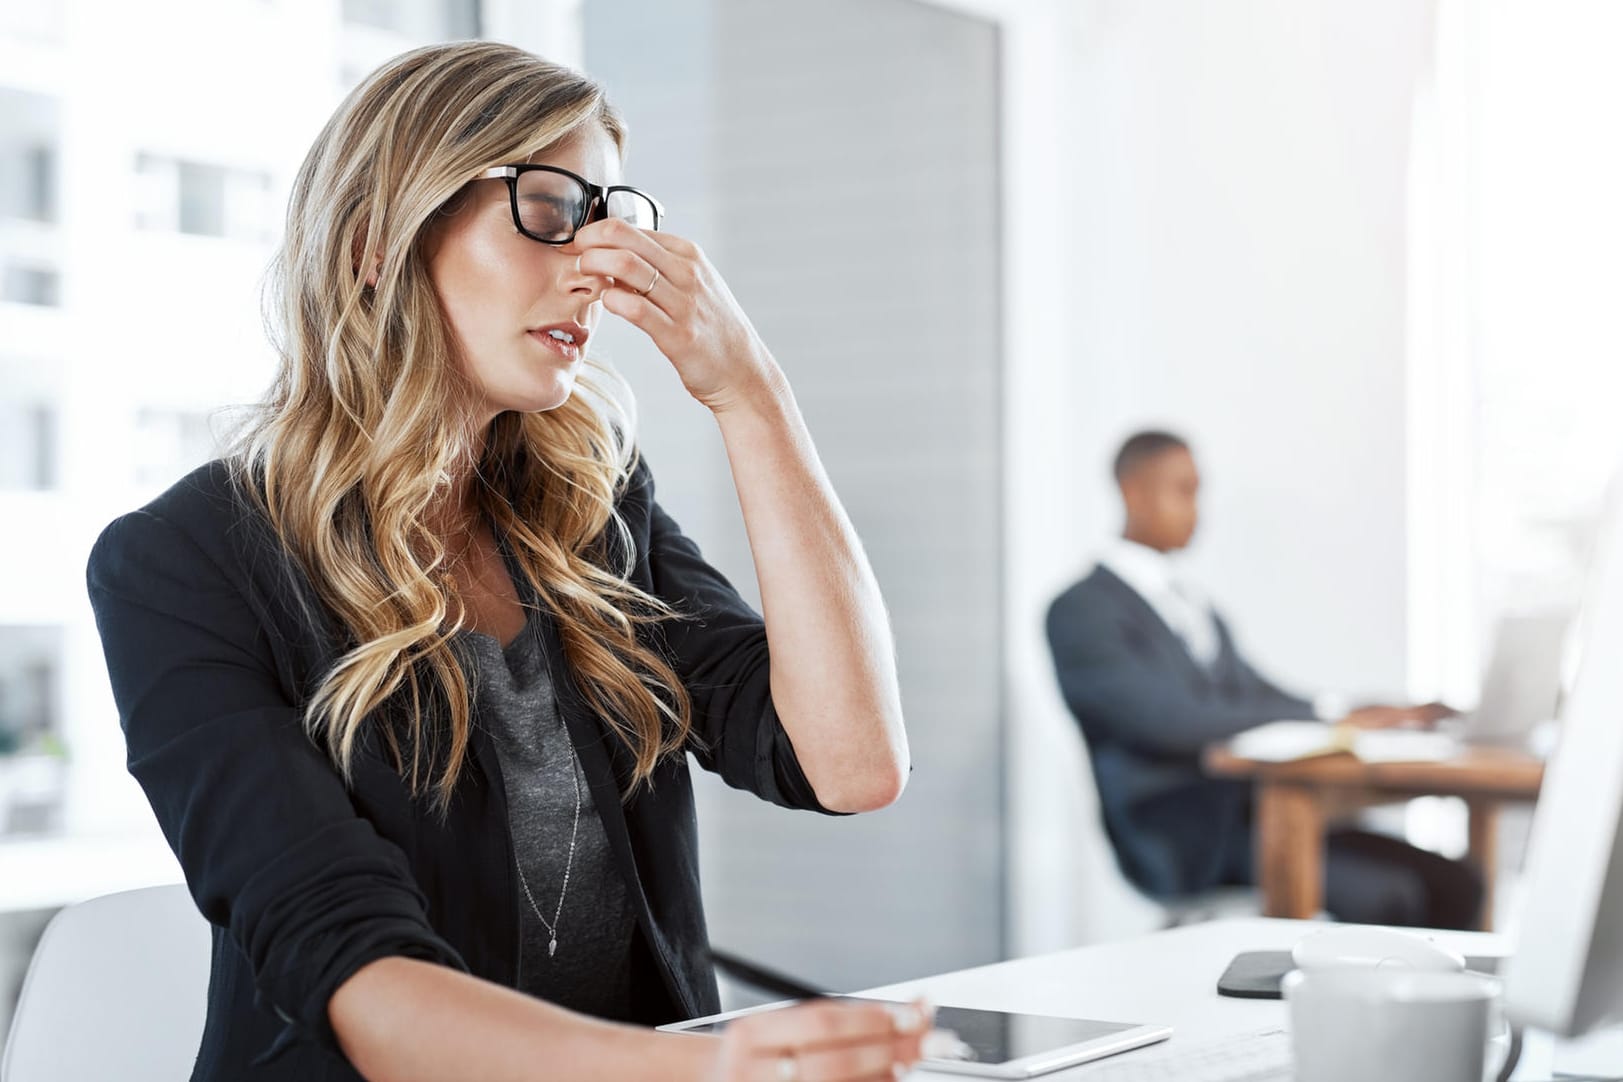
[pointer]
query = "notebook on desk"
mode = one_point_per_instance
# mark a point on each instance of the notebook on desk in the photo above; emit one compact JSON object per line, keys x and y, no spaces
{"x":1286,"y":741}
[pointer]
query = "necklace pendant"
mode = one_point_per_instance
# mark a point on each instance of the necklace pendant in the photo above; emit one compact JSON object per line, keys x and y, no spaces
{"x":552,"y":948}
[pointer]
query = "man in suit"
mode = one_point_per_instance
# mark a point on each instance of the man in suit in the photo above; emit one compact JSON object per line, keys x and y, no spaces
{"x":1152,"y":674}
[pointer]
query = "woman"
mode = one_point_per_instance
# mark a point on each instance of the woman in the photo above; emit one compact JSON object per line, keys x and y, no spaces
{"x":410,"y":675}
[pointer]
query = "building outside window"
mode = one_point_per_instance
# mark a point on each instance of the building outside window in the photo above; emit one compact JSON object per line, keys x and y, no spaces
{"x":32,"y":755}
{"x":30,"y":200}
{"x":27,"y":445}
{"x":31,"y":284}
{"x":203,"y":199}
{"x":28,"y":177}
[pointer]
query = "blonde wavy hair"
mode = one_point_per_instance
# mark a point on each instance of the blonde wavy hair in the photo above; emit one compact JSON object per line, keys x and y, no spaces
{"x":351,"y":447}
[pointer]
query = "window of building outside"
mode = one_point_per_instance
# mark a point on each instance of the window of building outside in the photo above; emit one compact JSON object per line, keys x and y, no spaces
{"x":28,"y":180}
{"x":31,"y":763}
{"x":203,"y":199}
{"x":29,"y":202}
{"x":27,"y":446}
{"x":31,"y":284}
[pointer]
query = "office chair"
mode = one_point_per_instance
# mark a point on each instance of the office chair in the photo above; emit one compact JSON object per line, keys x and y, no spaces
{"x":117,"y":988}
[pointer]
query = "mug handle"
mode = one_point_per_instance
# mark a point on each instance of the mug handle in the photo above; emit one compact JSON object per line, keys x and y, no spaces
{"x":1512,"y":1054}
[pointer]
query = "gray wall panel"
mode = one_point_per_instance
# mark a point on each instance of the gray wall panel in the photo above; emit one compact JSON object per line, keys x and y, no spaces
{"x":838,"y":162}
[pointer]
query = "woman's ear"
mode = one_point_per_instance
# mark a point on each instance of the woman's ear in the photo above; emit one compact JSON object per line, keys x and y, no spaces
{"x":355,"y":257}
{"x":372,"y":274}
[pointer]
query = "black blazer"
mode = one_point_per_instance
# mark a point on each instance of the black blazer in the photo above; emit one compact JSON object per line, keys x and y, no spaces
{"x":1146,"y":708}
{"x":213,"y":645}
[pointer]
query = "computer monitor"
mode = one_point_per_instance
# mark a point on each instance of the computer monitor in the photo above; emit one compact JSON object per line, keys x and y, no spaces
{"x":1566,"y":973}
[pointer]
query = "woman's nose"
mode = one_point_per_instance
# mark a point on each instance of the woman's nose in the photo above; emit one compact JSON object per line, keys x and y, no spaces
{"x":576,"y":280}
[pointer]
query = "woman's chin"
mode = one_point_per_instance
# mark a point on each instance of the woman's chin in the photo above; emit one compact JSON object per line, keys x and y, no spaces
{"x":542,"y":399}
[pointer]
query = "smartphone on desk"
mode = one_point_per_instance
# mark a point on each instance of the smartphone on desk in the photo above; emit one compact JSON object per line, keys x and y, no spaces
{"x":1005,"y":1045}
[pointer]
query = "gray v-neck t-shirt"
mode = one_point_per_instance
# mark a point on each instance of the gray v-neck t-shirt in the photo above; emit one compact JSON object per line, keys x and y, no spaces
{"x":514,"y":701}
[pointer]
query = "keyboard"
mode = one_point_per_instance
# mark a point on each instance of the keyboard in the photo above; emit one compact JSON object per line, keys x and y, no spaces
{"x":1261,"y":1056}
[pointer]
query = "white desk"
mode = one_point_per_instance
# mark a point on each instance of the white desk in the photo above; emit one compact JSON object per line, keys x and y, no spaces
{"x":1171,"y":978}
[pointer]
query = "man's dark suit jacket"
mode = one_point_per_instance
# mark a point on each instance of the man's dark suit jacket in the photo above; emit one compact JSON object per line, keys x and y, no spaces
{"x":213,"y":646}
{"x":1146,"y":708}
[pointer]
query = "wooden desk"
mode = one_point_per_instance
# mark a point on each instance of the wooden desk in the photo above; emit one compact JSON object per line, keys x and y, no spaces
{"x":1296,"y":800}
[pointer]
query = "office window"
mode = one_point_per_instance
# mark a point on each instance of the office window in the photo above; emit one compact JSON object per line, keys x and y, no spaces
{"x":202,"y":199}
{"x":27,"y":446}
{"x":1513,"y":423}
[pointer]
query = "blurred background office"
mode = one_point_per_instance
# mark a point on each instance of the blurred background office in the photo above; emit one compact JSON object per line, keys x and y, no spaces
{"x":1362,"y":253}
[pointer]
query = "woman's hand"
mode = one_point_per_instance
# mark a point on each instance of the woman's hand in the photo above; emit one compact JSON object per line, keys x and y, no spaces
{"x":688,"y":311}
{"x":824,"y":1041}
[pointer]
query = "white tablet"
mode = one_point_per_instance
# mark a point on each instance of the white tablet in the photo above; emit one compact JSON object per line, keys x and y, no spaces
{"x":1005,"y":1045}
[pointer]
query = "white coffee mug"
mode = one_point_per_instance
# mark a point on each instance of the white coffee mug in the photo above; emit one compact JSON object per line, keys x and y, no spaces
{"x":1390,"y":1024}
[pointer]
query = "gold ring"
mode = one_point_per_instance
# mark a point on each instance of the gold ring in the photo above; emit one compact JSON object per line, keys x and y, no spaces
{"x":651,"y":285}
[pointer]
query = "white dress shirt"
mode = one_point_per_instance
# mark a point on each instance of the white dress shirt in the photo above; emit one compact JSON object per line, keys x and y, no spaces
{"x":1184,"y":608}
{"x":1153,"y":576}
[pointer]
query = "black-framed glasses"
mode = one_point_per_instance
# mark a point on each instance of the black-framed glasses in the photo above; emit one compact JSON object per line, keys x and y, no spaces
{"x":550,"y":204}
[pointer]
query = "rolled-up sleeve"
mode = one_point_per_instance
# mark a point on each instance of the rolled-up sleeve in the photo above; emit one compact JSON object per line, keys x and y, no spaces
{"x":272,"y":847}
{"x":719,"y":650}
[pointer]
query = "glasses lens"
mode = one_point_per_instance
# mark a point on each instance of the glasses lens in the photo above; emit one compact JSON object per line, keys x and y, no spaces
{"x":634,"y":207}
{"x":549,"y":204}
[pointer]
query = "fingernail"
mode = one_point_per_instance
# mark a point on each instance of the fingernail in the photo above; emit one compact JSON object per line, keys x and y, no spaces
{"x":898,"y":1072}
{"x":577,"y":264}
{"x":945,"y":1044}
{"x":908,"y":1018}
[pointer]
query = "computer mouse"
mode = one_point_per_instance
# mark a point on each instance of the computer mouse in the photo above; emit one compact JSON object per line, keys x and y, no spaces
{"x":1362,"y":945}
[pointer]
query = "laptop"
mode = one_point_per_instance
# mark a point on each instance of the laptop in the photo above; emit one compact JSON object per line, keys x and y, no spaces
{"x":1521,"y":686}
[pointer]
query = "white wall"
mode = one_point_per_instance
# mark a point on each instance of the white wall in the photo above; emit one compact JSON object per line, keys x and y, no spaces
{"x":1239,"y":271}
{"x":1235,"y":179}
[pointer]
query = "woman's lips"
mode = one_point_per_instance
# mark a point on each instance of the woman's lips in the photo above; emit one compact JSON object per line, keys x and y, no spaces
{"x":567,"y":350}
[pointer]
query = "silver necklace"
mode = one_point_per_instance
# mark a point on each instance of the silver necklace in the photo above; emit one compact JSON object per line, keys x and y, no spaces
{"x":552,"y":925}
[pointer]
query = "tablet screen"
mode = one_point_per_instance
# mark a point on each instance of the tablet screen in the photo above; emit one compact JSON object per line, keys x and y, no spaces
{"x":997,"y":1036}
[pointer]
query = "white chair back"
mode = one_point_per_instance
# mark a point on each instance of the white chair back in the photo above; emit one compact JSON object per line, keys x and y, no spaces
{"x":117,"y":988}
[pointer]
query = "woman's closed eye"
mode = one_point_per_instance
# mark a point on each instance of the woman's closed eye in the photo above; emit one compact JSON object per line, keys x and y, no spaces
{"x":548,"y":214}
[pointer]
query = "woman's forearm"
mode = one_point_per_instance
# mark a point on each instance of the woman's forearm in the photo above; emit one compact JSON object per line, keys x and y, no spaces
{"x":833,"y":661}
{"x":405,"y":1020}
